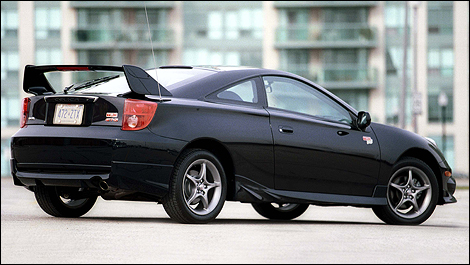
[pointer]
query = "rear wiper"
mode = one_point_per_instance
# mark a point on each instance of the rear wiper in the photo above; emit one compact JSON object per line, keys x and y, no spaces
{"x":90,"y":83}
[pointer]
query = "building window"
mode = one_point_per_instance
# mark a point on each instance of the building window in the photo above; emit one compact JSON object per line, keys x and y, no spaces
{"x":222,"y":57}
{"x":227,"y":24}
{"x":145,"y":59}
{"x":394,"y":15}
{"x":46,"y":56}
{"x":440,"y":65}
{"x":10,"y":65}
{"x":99,"y":57}
{"x":94,"y":17}
{"x":9,"y":24}
{"x":441,"y":62}
{"x":345,"y":15}
{"x":358,"y":99}
{"x":435,"y":111}
{"x":214,"y":25}
{"x":440,"y":17}
{"x":10,"y":108}
{"x":5,"y":156}
{"x":48,"y":22}
{"x":156,"y":17}
{"x":296,"y":62}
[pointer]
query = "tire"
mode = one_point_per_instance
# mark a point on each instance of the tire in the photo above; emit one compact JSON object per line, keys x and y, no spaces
{"x":286,"y":211}
{"x":198,"y":188}
{"x":52,"y":201}
{"x":412,"y":194}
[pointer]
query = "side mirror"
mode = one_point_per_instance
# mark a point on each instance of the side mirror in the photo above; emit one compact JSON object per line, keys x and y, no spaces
{"x":363,"y":119}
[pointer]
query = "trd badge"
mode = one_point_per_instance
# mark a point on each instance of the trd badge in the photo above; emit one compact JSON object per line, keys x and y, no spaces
{"x":367,"y":139}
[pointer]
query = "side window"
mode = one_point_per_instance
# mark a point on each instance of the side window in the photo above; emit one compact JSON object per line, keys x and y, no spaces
{"x":245,"y":92}
{"x":289,"y":94}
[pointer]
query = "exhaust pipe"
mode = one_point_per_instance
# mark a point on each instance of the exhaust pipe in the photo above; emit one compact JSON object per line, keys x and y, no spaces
{"x":103,"y":185}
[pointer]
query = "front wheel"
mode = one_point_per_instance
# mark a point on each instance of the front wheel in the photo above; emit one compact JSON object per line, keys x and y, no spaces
{"x":280,"y":211}
{"x":197,"y":189}
{"x":63,"y":201}
{"x":412,"y":194}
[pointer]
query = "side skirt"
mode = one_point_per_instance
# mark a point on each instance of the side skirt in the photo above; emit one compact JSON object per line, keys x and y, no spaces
{"x":247,"y":190}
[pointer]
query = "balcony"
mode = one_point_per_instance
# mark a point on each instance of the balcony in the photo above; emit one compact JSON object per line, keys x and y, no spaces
{"x":338,"y":78}
{"x":302,"y":4}
{"x":326,"y":36}
{"x":122,"y":4}
{"x":121,"y":39}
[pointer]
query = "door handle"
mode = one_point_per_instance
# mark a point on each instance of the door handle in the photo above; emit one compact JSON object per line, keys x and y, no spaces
{"x":286,"y":129}
{"x":342,"y":133}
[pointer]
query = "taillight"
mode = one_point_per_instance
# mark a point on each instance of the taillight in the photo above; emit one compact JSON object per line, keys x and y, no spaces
{"x":137,"y":114}
{"x":24,"y":112}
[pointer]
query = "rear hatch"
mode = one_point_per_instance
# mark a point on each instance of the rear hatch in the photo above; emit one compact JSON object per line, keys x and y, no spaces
{"x":94,"y":102}
{"x":76,"y":130}
{"x":75,"y":110}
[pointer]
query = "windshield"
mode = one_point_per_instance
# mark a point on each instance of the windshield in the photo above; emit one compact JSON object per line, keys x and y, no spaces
{"x":168,"y":78}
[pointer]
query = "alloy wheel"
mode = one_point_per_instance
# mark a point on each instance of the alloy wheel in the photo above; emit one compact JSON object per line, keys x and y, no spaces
{"x":409,"y":192}
{"x":202,"y":187}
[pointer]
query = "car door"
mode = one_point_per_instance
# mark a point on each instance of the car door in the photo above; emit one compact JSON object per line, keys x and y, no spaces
{"x":316,"y":146}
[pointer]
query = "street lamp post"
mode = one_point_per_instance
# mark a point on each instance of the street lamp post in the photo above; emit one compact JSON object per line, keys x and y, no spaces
{"x":402,"y":113}
{"x":443,"y":101}
{"x":416,"y":110}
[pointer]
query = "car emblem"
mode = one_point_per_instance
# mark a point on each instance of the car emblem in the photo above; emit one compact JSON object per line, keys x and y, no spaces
{"x":111,"y":114}
{"x":367,"y":139}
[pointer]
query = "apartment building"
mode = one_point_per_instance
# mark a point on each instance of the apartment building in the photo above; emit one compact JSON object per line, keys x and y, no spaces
{"x":353,"y":48}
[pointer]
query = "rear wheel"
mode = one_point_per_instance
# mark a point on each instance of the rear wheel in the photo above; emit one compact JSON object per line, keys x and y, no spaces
{"x":197,"y":189}
{"x":280,"y":211}
{"x":412,"y":194}
{"x":63,"y":201}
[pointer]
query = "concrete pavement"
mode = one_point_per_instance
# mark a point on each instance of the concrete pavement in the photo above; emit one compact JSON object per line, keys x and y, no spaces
{"x":141,"y":232}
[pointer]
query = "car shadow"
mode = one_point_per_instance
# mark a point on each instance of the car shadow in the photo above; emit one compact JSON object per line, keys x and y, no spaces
{"x":223,"y":221}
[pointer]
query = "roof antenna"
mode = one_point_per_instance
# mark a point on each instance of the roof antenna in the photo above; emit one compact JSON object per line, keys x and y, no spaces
{"x":153,"y":54}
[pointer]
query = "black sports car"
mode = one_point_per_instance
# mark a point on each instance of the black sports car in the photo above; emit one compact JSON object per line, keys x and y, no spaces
{"x":203,"y":135}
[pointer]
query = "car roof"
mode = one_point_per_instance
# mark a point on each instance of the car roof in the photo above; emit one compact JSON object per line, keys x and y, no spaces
{"x":224,"y":76}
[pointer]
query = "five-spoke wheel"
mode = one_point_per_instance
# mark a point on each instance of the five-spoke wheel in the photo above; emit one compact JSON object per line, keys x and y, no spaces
{"x":411,"y":193}
{"x":197,"y":188}
{"x":63,"y":201}
{"x":202,"y":187}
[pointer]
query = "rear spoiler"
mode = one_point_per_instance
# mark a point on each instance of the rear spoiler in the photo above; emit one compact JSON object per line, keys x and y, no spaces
{"x":139,"y":81}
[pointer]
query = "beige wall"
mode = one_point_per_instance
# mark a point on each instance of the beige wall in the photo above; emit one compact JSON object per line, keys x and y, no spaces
{"x":26,"y":39}
{"x":176,"y":24}
{"x":377,"y":60}
{"x":270,"y":19}
{"x":69,"y":55}
{"x":422,"y":69}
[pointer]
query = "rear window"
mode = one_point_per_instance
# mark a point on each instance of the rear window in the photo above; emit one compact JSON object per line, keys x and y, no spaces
{"x":168,"y":78}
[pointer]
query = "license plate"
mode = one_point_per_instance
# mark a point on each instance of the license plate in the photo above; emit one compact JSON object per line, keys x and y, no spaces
{"x":68,"y":114}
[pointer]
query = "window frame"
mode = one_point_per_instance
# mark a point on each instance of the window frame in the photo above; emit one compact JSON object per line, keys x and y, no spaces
{"x":212,"y":97}
{"x":351,"y":111}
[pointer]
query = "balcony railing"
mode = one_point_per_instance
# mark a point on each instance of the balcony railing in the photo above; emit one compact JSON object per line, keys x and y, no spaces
{"x":338,"y":78}
{"x":326,"y":36}
{"x":122,"y":4}
{"x":297,"y":4}
{"x":121,"y":38}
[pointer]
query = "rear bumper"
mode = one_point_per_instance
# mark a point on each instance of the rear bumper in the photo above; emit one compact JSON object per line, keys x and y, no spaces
{"x":128,"y":178}
{"x":130,"y":162}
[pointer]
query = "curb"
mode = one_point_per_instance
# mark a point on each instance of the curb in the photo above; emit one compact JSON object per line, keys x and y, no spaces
{"x":462,"y":182}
